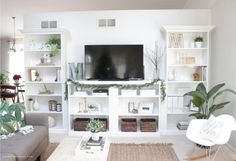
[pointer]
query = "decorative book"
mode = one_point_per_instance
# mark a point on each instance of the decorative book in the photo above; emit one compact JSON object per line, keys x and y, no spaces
{"x":92,"y":142}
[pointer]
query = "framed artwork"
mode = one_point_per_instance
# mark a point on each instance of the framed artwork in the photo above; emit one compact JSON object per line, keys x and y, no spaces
{"x":94,"y":108}
{"x":32,"y":74}
{"x":131,"y":107}
{"x":146,"y":107}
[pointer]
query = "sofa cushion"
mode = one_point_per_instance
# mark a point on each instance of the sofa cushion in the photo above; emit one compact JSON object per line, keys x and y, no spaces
{"x":22,"y":146}
{"x":7,"y":157}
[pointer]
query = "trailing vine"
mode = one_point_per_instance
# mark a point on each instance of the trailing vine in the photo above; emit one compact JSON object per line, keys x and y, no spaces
{"x":120,"y":86}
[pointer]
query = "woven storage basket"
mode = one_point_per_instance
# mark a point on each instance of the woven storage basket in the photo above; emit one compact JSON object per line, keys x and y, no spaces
{"x":148,"y":125}
{"x":80,"y":124}
{"x":105,"y":122}
{"x":128,"y":125}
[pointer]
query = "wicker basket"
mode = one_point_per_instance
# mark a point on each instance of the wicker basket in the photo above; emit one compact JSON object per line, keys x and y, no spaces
{"x":80,"y":124}
{"x":148,"y":125}
{"x":128,"y":125}
{"x":104,"y":121}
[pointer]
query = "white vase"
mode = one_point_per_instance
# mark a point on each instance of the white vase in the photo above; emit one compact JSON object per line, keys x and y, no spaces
{"x":36,"y":105}
{"x":95,"y":136}
{"x":155,"y":74}
{"x":198,"y":44}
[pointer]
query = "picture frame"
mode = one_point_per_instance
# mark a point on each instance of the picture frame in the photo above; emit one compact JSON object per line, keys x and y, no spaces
{"x":131,"y":107}
{"x":94,"y":108}
{"x":32,"y":76}
{"x":146,"y":107}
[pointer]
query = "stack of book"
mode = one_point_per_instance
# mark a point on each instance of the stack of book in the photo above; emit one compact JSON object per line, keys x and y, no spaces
{"x":183,"y":125}
{"x":95,"y":144}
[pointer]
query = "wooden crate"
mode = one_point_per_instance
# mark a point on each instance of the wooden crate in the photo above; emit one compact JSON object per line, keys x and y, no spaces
{"x":128,"y":125}
{"x":80,"y":124}
{"x":148,"y":125}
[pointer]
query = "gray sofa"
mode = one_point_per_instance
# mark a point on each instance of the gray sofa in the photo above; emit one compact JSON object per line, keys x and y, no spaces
{"x":27,"y":147}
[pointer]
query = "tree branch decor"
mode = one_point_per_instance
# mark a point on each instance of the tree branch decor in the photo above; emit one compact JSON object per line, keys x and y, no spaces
{"x":155,"y":57}
{"x":120,"y":86}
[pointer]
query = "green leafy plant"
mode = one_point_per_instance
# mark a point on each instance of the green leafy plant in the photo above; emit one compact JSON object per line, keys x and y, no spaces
{"x":54,"y":44}
{"x":11,"y":117}
{"x":4,"y":76}
{"x":198,"y":39}
{"x":120,"y":86}
{"x":207,"y":102}
{"x":95,"y":126}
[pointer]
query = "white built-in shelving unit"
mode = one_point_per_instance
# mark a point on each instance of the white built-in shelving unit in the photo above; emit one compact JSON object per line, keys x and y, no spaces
{"x":114,"y":107}
{"x":52,"y":75}
{"x":183,"y":59}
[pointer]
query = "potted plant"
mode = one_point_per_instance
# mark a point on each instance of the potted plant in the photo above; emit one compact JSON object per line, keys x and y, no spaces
{"x":95,"y":126}
{"x":4,"y":77}
{"x":17,"y":77}
{"x":198,"y":41}
{"x":54,"y":44}
{"x":207,"y":102}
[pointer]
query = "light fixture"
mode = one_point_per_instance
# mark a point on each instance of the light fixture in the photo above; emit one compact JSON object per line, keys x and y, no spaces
{"x":13,"y":47}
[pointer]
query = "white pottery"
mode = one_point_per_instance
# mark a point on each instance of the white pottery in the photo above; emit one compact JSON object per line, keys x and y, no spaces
{"x":36,"y":105}
{"x":198,"y":44}
{"x":95,"y":136}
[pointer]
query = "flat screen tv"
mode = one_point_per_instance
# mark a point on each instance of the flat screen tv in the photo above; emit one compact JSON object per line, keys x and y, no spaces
{"x":114,"y":62}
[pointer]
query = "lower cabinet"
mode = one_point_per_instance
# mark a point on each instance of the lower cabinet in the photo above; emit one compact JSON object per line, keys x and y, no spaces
{"x":126,"y":112}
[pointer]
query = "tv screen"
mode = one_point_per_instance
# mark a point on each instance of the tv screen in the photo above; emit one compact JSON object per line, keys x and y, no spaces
{"x":114,"y":62}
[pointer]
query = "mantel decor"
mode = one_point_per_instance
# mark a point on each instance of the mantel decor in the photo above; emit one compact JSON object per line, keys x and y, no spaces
{"x":120,"y":86}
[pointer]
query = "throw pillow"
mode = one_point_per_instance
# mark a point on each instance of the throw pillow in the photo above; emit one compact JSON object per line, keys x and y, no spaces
{"x":211,"y":129}
{"x":11,"y":117}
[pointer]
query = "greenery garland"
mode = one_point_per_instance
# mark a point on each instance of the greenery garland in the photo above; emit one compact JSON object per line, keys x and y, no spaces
{"x":120,"y":86}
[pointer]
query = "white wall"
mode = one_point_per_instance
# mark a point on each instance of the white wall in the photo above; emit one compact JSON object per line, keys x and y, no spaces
{"x":18,"y":8}
{"x":0,"y":35}
{"x":224,"y":51}
{"x":199,"y":4}
{"x":133,"y":27}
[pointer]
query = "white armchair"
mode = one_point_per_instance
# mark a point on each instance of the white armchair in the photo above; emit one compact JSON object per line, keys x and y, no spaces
{"x":214,"y":131}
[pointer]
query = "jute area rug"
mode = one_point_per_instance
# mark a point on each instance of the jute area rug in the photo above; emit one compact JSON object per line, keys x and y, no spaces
{"x":131,"y":152}
{"x":141,"y":152}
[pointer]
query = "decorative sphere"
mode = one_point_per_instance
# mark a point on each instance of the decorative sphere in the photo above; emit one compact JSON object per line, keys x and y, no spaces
{"x":51,"y":121}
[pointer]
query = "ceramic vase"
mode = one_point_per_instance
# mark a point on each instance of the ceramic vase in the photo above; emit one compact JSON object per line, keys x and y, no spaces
{"x":36,"y":105}
{"x":16,"y":81}
{"x":198,"y":44}
{"x":155,"y":74}
{"x":95,"y":136}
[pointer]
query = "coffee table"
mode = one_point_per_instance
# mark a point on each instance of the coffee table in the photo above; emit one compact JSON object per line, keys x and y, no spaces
{"x":66,"y":151}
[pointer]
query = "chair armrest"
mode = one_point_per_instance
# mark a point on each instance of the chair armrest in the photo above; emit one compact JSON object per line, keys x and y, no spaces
{"x":36,"y":119}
